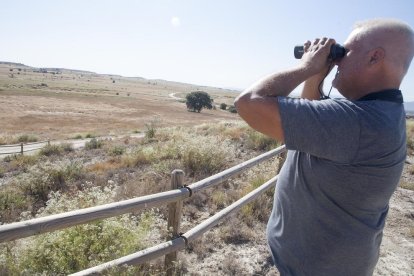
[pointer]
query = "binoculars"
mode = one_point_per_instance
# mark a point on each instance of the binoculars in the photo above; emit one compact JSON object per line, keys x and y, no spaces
{"x":337,"y":52}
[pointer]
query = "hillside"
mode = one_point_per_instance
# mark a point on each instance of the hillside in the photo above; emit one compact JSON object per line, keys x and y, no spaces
{"x":62,"y":103}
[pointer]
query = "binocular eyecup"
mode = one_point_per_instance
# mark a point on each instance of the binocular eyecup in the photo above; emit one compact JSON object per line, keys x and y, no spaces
{"x":337,"y":52}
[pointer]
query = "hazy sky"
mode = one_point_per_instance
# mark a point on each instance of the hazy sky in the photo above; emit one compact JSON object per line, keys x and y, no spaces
{"x":223,"y":43}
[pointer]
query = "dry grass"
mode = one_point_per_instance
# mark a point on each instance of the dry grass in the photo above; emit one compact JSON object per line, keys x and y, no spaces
{"x":79,"y":103}
{"x":407,"y":185}
{"x":410,"y":136}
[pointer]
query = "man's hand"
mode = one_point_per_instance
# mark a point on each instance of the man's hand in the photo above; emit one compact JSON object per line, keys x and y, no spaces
{"x":316,"y":55}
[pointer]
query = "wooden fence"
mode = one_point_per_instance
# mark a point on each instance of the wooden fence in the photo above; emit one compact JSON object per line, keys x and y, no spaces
{"x":174,"y":198}
{"x":20,"y":148}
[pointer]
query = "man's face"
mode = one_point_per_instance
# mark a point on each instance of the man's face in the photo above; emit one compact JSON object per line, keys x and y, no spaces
{"x":350,"y":68}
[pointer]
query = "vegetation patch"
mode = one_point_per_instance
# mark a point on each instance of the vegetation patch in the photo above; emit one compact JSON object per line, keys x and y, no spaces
{"x":78,"y":247}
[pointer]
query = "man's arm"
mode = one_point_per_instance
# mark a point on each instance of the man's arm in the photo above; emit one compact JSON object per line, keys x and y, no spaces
{"x":258,"y":104}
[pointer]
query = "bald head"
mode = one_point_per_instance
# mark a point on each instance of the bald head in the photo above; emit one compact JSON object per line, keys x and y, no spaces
{"x":396,"y":38}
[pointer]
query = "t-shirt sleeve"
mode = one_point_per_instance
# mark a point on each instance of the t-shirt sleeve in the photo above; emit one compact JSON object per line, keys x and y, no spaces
{"x":328,"y":129}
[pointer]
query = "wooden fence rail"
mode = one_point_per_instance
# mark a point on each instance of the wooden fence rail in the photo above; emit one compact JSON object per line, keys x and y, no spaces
{"x":175,"y":197}
{"x":19,"y":148}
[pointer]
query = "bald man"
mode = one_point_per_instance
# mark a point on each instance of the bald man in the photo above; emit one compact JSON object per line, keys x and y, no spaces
{"x":345,"y":156}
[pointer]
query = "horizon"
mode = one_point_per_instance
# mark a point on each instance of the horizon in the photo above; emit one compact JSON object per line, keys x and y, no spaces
{"x":410,"y":111}
{"x":227,"y":45}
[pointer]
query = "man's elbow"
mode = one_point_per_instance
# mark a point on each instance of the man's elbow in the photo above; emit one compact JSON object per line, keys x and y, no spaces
{"x":242,"y":101}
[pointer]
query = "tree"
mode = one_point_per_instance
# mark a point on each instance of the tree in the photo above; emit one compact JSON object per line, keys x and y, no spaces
{"x":198,"y":100}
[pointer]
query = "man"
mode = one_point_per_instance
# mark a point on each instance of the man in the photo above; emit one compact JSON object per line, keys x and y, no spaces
{"x":345,"y":157}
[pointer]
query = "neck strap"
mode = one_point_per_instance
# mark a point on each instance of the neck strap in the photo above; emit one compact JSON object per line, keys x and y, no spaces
{"x":390,"y":95}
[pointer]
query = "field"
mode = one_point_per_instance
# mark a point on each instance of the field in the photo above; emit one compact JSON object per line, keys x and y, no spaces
{"x":62,"y":104}
{"x":59,"y":103}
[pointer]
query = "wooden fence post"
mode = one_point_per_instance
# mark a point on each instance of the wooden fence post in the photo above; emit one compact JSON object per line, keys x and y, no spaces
{"x":21,"y":148}
{"x":174,"y":218}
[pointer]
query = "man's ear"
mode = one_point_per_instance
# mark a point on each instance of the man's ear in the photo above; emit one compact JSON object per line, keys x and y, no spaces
{"x":376,"y":55}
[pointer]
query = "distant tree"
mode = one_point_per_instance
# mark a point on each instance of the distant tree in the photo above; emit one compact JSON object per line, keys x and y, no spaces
{"x":198,"y":100}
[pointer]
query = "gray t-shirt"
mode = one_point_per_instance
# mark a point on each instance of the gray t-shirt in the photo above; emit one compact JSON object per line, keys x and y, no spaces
{"x":344,"y":161}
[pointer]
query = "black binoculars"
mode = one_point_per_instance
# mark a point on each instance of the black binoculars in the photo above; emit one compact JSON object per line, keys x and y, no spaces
{"x":337,"y":52}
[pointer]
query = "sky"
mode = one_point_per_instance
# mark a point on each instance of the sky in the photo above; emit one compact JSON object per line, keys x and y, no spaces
{"x":220,"y":43}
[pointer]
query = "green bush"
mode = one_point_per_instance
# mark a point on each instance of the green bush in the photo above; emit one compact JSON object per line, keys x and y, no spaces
{"x":223,"y":106}
{"x":79,"y":247}
{"x":89,"y":135}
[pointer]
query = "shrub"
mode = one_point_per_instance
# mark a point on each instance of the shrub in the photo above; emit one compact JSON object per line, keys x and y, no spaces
{"x":89,"y":135}
{"x":151,"y":127}
{"x":78,"y":136}
{"x":55,"y":149}
{"x":78,"y":247}
{"x":26,"y":138}
{"x":223,"y":106}
{"x":67,"y":147}
{"x":50,"y":150}
{"x":93,"y":144}
{"x":198,"y":100}
{"x":21,"y":162}
{"x":258,"y":141}
{"x":140,"y":157}
{"x":203,"y":159}
{"x":12,"y":203}
{"x":232,"y":109}
{"x":46,"y":178}
{"x":116,"y":150}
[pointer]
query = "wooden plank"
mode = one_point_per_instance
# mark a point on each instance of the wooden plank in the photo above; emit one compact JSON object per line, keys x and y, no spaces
{"x":224,"y":175}
{"x":209,"y":223}
{"x":137,"y":258}
{"x":36,"y":226}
